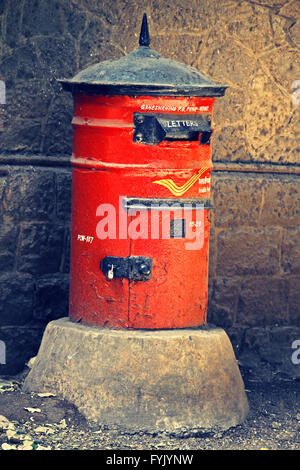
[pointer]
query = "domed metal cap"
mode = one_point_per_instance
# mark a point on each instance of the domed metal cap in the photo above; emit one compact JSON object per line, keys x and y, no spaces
{"x":143,"y":72}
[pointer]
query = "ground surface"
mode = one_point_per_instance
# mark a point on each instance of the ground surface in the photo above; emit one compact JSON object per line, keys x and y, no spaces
{"x":33,"y":421}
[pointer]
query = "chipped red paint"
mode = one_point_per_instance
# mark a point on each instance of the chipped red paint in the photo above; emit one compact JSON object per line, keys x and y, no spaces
{"x":108,"y":165}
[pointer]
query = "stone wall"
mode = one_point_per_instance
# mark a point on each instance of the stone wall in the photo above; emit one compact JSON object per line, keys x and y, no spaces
{"x":34,"y":256}
{"x":255,"y":270}
{"x":253,"y":46}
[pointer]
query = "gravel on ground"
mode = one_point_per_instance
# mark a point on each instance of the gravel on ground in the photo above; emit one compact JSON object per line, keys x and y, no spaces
{"x":33,"y":421}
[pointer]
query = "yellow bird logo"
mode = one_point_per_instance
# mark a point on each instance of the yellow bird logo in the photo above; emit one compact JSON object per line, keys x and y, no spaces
{"x":180,"y":190}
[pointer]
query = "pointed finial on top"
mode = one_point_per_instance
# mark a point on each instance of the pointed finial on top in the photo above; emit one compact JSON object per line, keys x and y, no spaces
{"x":144,"y":36}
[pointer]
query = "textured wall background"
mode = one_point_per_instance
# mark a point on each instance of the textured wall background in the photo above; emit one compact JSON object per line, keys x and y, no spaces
{"x":253,"y":46}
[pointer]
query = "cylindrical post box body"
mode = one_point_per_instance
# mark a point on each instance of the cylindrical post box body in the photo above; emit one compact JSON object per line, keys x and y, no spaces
{"x":141,"y":168}
{"x":137,"y":199}
{"x":141,"y":193}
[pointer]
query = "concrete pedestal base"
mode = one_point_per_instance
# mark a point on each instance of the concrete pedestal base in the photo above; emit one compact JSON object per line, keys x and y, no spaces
{"x":177,"y":381}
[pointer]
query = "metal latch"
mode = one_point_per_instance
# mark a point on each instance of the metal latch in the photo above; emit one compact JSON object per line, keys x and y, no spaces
{"x":136,"y":268}
{"x":154,"y":128}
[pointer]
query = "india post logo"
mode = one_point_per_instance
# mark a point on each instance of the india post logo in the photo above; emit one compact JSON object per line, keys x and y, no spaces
{"x":180,"y":190}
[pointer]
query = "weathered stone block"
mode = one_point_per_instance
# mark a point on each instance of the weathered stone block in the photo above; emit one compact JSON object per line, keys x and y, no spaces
{"x":64,"y":194}
{"x":290,"y":258}
{"x":294,"y":301}
{"x":236,"y":335}
{"x":22,"y":135}
{"x":267,"y":353}
{"x":179,"y":15}
{"x":175,"y":381}
{"x":30,"y":195}
{"x":248,"y":251}
{"x":52,"y":297}
{"x":225,"y":145}
{"x":184,"y":49}
{"x":65,"y":265}
{"x":32,"y":98}
{"x":56,"y":55}
{"x":17,"y":297}
{"x":250,"y":47}
{"x":58,"y":133}
{"x":12,"y":23}
{"x":41,"y":248}
{"x":222,"y":305}
{"x":236,"y":200}
{"x":2,"y":186}
{"x":212,"y":252}
{"x":20,"y":64}
{"x":250,"y":25}
{"x":42,"y":17}
{"x":281,"y":202}
{"x":93,"y":43}
{"x":76,"y":20}
{"x":21,"y":343}
{"x":225,"y":59}
{"x":263,"y":301}
{"x":267,"y":112}
{"x":8,"y":245}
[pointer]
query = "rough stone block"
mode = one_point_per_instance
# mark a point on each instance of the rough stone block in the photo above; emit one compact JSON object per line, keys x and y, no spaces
{"x":290,"y":258}
{"x":2,"y":186}
{"x":42,"y":18}
{"x":281,"y":202}
{"x":30,"y":195}
{"x":52,"y":297}
{"x":41,"y":248}
{"x":56,"y":55}
{"x":64,"y":194}
{"x":226,"y":147}
{"x":35,"y":95}
{"x":65,"y":266}
{"x":294,"y":300}
{"x":236,"y":335}
{"x":93,"y":43}
{"x":176,"y":381}
{"x":212,"y":252}
{"x":268,"y":354}
{"x":22,"y":135}
{"x":248,"y":46}
{"x":17,"y":297}
{"x":14,"y":11}
{"x":76,"y":20}
{"x":248,"y":251}
{"x":8,"y":245}
{"x":236,"y":200}
{"x":21,"y":343}
{"x":263,"y":301}
{"x":222,"y":305}
{"x":58,"y":132}
{"x":20,"y":63}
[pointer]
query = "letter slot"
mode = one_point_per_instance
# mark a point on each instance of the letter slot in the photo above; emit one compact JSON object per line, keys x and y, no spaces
{"x":152,"y":129}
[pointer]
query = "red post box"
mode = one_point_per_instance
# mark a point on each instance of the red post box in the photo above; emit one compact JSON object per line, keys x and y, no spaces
{"x":141,"y":168}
